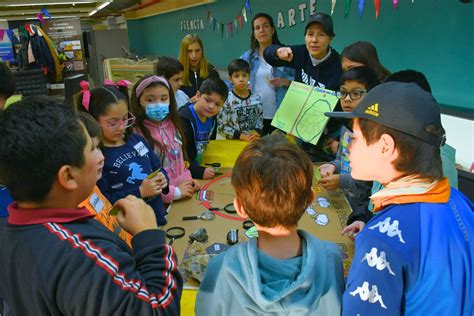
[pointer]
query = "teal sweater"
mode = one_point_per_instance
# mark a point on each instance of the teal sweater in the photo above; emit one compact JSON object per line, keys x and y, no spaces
{"x":245,"y":281}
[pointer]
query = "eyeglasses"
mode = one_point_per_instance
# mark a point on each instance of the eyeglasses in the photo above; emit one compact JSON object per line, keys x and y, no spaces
{"x":354,"y":94}
{"x":116,"y":124}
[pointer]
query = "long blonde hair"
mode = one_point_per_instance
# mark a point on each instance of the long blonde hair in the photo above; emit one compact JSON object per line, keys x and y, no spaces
{"x":183,"y":58}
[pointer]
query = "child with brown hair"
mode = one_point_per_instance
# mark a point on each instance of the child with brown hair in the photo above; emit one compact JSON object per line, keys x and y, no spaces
{"x":285,"y":271}
{"x":415,"y":256}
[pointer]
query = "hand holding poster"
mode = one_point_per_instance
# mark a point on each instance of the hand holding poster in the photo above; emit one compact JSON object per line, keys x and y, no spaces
{"x":301,"y":112}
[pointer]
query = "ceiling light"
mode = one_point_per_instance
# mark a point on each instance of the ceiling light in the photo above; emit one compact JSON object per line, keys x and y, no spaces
{"x":100,"y":7}
{"x":48,"y":3}
{"x":57,"y":17}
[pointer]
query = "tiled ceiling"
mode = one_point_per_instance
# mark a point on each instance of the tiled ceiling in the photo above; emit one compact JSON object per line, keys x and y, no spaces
{"x":22,"y":9}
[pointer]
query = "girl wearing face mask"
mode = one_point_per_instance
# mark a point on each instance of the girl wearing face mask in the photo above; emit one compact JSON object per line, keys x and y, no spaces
{"x":129,"y":160}
{"x":154,"y":106}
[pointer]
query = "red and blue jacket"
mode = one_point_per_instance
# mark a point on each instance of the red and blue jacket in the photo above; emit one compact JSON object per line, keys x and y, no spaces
{"x":63,"y":262}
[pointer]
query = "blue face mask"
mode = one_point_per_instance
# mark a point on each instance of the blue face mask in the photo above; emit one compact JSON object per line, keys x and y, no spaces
{"x":157,"y":111}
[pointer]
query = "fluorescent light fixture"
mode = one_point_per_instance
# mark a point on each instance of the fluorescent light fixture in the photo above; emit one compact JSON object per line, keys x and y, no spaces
{"x":57,"y":17}
{"x":103,"y":5}
{"x":100,"y":7}
{"x":47,"y":3}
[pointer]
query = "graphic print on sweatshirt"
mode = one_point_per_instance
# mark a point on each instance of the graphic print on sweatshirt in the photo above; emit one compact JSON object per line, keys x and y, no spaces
{"x":307,"y":79}
{"x":129,"y":167}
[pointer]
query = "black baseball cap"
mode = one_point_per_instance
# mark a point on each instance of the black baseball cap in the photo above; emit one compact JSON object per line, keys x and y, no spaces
{"x":324,"y":19}
{"x":404,"y":107}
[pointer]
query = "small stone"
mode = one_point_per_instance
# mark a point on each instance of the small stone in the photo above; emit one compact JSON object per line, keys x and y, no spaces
{"x":199,"y":235}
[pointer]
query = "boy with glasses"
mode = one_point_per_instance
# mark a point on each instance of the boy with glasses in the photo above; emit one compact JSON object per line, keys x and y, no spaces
{"x":355,"y":83}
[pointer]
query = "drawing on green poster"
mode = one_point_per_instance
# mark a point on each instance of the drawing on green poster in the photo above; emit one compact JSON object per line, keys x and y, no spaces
{"x":301,"y":112}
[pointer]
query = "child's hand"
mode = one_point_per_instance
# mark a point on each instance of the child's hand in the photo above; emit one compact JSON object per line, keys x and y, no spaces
{"x":209,"y":173}
{"x":327,"y":169}
{"x":278,"y":82}
{"x":248,"y":137}
{"x":196,"y":185}
{"x":285,"y":53}
{"x":135,"y":215}
{"x":330,"y":182}
{"x":353,"y":229}
{"x":332,"y":145}
{"x":150,"y":187}
{"x":161,"y":180}
{"x":186,"y":188}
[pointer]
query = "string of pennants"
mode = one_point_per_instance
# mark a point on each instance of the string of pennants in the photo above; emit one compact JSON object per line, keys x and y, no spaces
{"x":228,"y":28}
{"x":360,"y":5}
{"x":14,"y":35}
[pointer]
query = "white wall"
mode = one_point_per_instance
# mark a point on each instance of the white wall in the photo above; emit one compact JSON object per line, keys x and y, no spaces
{"x":460,"y":135}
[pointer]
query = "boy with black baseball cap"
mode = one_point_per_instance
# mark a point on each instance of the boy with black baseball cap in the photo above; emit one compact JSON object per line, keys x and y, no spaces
{"x":415,"y":256}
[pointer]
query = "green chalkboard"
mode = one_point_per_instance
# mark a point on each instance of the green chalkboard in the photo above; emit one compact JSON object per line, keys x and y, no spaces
{"x":432,"y":36}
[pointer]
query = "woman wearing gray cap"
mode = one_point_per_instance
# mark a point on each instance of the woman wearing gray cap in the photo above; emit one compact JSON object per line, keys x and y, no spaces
{"x":316,"y":63}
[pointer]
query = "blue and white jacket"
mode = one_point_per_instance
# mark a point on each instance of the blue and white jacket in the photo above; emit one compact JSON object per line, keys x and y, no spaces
{"x":415,"y":259}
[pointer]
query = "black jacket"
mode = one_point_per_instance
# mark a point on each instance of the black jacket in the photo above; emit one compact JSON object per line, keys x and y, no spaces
{"x":325,"y":75}
{"x":62,"y":262}
{"x":196,"y":81}
{"x":189,"y":127}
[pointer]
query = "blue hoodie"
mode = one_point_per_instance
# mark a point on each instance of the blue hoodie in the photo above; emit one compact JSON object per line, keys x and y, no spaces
{"x":245,"y":281}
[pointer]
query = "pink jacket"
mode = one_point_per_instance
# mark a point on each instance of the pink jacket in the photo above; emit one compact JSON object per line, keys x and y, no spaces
{"x":172,"y":159}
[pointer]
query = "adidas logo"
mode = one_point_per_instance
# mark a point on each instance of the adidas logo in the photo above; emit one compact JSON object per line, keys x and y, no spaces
{"x":373,"y":110}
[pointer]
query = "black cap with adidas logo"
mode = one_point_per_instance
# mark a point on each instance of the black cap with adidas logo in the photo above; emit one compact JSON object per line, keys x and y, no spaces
{"x":404,"y":107}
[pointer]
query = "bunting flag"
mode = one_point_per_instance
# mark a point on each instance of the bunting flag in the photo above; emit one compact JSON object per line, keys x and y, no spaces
{"x":39,"y":16}
{"x":333,"y":5}
{"x":361,"y":7}
{"x":395,"y":4}
{"x":347,"y":7}
{"x":45,"y":12}
{"x":2,"y":34}
{"x":229,"y":27}
{"x":377,"y":8}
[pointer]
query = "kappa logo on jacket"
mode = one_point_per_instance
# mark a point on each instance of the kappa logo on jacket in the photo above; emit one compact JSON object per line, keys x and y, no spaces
{"x":391,"y":229}
{"x":371,"y":296}
{"x":379,"y":262}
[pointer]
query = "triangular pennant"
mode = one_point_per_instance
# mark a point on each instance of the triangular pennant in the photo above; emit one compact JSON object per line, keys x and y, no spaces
{"x":46,"y":13}
{"x":247,"y":6}
{"x":395,"y":4}
{"x":230,"y":28}
{"x":377,"y":8}
{"x":347,"y":7}
{"x":10,"y":35}
{"x":361,"y":6}
{"x":209,"y":15}
{"x":240,"y":21}
{"x":333,"y":5}
{"x":39,"y":16}
{"x":2,"y":34}
{"x":244,"y":14}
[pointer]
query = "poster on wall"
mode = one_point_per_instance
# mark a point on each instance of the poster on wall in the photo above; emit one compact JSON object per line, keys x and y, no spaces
{"x":67,"y":36}
{"x":6,"y":51}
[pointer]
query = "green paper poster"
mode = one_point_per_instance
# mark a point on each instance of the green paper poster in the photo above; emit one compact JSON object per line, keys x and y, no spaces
{"x":301,"y":112}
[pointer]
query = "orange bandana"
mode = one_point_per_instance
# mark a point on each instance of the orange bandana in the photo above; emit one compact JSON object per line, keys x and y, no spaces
{"x":411,"y":190}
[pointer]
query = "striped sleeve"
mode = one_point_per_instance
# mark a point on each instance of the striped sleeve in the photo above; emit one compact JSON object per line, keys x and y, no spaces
{"x":114,"y":281}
